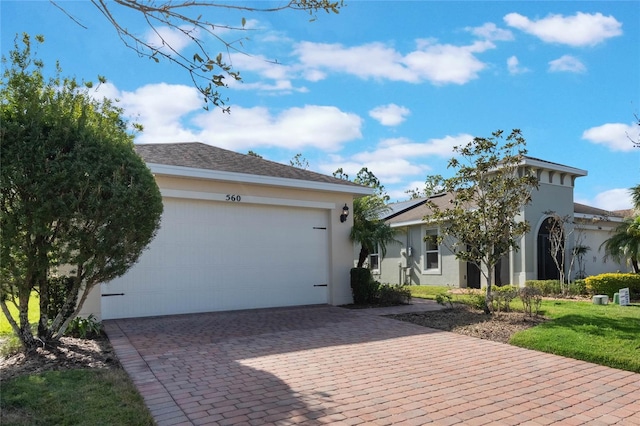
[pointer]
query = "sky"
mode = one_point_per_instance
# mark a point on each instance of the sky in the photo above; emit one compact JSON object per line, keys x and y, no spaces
{"x":388,"y":85}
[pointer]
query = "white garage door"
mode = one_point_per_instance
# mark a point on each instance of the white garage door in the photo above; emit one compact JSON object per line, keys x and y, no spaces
{"x":214,"y":256}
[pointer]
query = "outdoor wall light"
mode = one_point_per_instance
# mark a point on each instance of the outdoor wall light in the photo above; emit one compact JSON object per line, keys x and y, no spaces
{"x":345,"y":213}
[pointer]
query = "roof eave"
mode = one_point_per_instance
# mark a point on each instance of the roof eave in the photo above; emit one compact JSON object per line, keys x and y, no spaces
{"x":189,"y":172}
{"x":532,"y":162}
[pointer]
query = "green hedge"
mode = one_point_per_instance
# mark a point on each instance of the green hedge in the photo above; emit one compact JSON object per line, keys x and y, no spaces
{"x":552,"y":287}
{"x":610,"y":283}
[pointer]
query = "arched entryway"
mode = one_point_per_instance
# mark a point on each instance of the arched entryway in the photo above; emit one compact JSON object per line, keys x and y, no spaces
{"x":547,"y":269}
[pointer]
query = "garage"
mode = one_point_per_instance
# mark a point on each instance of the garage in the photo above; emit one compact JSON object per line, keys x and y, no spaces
{"x":215,"y":256}
{"x":237,"y":232}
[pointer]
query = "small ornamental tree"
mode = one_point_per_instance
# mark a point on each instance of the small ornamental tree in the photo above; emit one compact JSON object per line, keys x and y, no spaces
{"x":490,"y":189}
{"x":559,"y":231}
{"x":76,"y":201}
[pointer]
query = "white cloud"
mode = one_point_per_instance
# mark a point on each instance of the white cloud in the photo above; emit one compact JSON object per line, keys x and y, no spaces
{"x":513,"y":65}
{"x":394,"y":160}
{"x":612,"y":199}
{"x":581,"y":29}
{"x":390,"y":115}
{"x":489,"y":31}
{"x":430,"y":61}
{"x":567,"y":63}
{"x":173,"y":113}
{"x":171,"y":39}
{"x":163,"y":110}
{"x":446,"y":63}
{"x":105,"y":90}
{"x":614,"y":136}
{"x":322,"y":127}
{"x":354,"y":60}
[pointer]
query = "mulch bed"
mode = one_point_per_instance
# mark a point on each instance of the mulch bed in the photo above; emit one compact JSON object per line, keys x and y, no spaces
{"x":462,"y":319}
{"x":68,"y":354}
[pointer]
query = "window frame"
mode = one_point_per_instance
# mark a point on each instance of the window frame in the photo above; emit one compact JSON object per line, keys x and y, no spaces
{"x":376,"y":254}
{"x":425,"y":252}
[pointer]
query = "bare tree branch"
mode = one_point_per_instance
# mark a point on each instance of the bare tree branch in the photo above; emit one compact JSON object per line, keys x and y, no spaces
{"x":207,"y":68}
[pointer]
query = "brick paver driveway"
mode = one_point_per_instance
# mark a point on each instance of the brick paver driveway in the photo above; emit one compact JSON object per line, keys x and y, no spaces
{"x":328,"y":365}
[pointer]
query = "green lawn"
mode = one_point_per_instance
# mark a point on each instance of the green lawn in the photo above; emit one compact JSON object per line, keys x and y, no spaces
{"x":70,"y":397}
{"x":73,"y":397}
{"x":34,"y":314}
{"x":603,"y":334}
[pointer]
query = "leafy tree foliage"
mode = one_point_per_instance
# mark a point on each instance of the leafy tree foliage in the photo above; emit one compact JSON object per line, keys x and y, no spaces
{"x":490,"y":188}
{"x":635,"y":197}
{"x":299,"y":161}
{"x":207,"y":66}
{"x":432,"y":186}
{"x":76,"y":201}
{"x":624,"y":245}
{"x":369,"y":229}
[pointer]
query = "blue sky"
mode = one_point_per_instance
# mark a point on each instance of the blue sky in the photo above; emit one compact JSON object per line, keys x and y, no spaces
{"x":390,"y":85}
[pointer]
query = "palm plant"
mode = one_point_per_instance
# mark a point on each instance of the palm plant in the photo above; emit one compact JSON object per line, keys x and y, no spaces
{"x":369,"y":230}
{"x":624,"y":244}
{"x":635,"y":197}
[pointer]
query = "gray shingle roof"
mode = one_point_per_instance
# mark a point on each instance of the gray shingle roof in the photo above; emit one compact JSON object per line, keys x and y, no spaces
{"x":202,"y":156}
{"x":584,"y":209}
{"x":419,"y":211}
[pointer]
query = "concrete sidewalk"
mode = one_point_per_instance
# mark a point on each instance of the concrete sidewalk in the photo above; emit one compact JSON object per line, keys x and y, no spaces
{"x":329,"y":365}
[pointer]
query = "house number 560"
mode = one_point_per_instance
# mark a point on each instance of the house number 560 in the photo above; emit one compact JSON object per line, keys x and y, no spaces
{"x":233,"y":197}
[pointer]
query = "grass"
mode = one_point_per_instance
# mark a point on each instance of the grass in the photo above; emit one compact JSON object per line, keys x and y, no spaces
{"x":73,"y":397}
{"x":427,"y":291}
{"x":34,"y":314}
{"x":70,"y":397}
{"x":602,"y":334}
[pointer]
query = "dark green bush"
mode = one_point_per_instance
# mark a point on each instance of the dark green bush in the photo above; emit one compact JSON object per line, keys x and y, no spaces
{"x":59,"y":288}
{"x":397,"y":294}
{"x":363,"y":287}
{"x":611,"y":283}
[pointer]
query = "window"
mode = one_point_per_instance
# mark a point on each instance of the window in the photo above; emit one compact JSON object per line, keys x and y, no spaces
{"x":432,"y":251}
{"x":374,"y":261}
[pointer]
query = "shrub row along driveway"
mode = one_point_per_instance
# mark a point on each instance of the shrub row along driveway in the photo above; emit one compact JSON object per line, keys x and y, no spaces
{"x":328,"y":365}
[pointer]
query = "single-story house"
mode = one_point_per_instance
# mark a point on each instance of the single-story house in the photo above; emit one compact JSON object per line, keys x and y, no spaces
{"x":417,"y":259}
{"x":237,"y":232}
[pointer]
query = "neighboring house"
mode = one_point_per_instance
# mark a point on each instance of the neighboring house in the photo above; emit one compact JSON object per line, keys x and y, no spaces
{"x":237,"y":232}
{"x":418,"y":259}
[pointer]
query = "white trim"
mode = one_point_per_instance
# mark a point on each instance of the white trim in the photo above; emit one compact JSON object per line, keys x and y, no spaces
{"x":246,"y":199}
{"x":435,"y":271}
{"x":553,"y":167}
{"x":598,"y":217}
{"x":408,"y":223}
{"x":190,"y":172}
